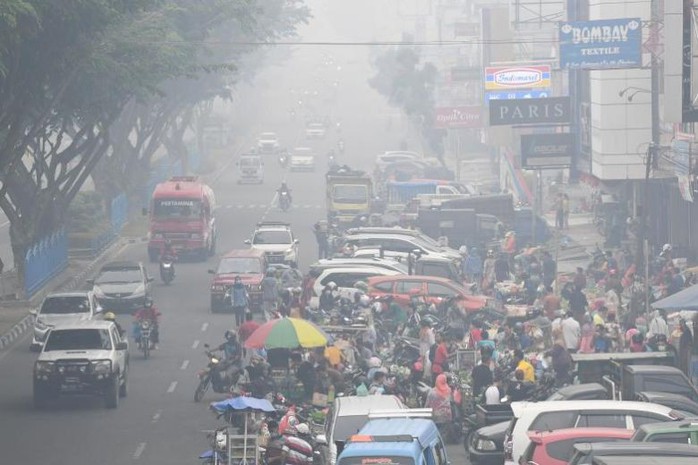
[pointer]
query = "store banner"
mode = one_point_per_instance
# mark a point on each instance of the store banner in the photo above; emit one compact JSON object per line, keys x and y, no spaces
{"x":685,"y":188}
{"x":601,"y":44}
{"x":518,"y":77}
{"x":517,"y":94}
{"x":458,"y":117}
{"x":552,"y":110}
{"x":543,"y":151}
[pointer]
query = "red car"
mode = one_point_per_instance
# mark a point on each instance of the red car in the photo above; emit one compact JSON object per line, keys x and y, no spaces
{"x":247,"y":264}
{"x":556,"y":447}
{"x":433,"y":288}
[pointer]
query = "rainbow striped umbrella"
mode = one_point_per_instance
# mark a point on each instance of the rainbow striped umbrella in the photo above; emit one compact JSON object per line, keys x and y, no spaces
{"x":287,"y":333}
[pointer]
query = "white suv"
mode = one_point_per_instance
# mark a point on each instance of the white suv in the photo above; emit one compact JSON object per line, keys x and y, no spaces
{"x":60,"y":309}
{"x":276,"y":240}
{"x":86,"y":357}
{"x":553,"y":415}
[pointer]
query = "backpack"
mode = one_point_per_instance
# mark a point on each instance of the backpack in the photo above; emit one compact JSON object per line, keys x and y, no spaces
{"x":432,"y":352}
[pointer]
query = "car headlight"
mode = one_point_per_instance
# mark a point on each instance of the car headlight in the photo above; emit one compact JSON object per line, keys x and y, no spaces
{"x":218,"y":287}
{"x":289,"y":252}
{"x":43,"y":367}
{"x":101,"y":367}
{"x":485,"y":445}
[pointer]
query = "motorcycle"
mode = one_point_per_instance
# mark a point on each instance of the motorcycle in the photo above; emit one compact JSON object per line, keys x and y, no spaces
{"x":214,"y":376}
{"x":167,"y":272}
{"x":284,"y":201}
{"x":144,"y":337}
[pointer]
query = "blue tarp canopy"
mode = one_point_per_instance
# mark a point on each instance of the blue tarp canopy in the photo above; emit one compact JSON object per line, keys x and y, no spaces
{"x":243,"y":404}
{"x":682,"y":300}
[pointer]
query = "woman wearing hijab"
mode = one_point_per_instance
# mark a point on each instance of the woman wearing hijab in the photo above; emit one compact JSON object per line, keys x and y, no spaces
{"x":439,"y":400}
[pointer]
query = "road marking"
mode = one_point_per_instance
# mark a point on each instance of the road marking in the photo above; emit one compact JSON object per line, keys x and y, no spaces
{"x":4,"y":224}
{"x":195,"y":344}
{"x":139,"y":451}
{"x":204,"y":327}
{"x":185,"y":364}
{"x":157,"y":416}
{"x":173,"y":386}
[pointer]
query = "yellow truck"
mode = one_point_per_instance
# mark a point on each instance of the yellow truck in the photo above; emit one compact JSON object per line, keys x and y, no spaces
{"x":349,"y":194}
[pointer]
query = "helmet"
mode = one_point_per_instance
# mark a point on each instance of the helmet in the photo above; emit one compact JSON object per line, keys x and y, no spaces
{"x":666,"y":248}
{"x":361,"y":285}
{"x":109,"y":316}
{"x":148,"y":303}
{"x":365,"y":300}
{"x":463,"y":250}
{"x":374,"y":362}
{"x":302,"y":428}
{"x":331,"y":285}
{"x":229,"y":335}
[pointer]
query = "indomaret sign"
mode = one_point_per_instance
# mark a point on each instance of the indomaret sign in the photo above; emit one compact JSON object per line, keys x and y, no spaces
{"x":552,"y":110}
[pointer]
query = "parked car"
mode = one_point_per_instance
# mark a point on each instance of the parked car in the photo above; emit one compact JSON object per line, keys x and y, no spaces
{"x":62,"y":308}
{"x":485,"y":446}
{"x":678,"y":402}
{"x":585,"y":454}
{"x":345,"y":278}
{"x":675,"y":459}
{"x":346,"y":417}
{"x":351,"y":262}
{"x":532,"y":416}
{"x":555,"y":447}
{"x":679,"y":432}
{"x":386,"y":158}
{"x":434,"y":289}
{"x":122,"y":286}
{"x":249,"y":265}
{"x":399,"y":243}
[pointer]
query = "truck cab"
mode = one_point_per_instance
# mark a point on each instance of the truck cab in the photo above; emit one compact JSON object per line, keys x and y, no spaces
{"x":348,"y":194}
{"x":181,"y":211}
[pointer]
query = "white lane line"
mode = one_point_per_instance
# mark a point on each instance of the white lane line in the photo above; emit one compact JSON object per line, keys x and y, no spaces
{"x":173,"y":386}
{"x":157,"y":416}
{"x":204,"y":327}
{"x":185,"y":364}
{"x":195,"y":344}
{"x":139,"y":451}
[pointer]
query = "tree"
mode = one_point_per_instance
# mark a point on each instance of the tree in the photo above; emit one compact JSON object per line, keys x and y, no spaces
{"x":409,"y":86}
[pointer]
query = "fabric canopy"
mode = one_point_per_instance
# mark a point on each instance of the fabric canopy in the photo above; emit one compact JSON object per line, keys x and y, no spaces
{"x":682,"y":300}
{"x":243,"y":404}
{"x":287,"y":333}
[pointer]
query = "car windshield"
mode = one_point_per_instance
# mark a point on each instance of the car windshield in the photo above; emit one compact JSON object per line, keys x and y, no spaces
{"x":240,"y":266}
{"x":177,"y":208}
{"x":272,"y":237}
{"x":346,"y":426}
{"x":348,"y":193}
{"x":65,"y":305}
{"x":119,"y":276}
{"x":78,"y":339}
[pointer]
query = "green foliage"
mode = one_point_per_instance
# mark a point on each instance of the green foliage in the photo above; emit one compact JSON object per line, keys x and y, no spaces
{"x":87,"y":214}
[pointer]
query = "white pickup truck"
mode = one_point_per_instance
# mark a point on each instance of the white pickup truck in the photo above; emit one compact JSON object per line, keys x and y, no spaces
{"x":84,"y":357}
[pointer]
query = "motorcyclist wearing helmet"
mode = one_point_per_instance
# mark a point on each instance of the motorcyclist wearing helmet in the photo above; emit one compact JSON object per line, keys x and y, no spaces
{"x":231,"y":347}
{"x":284,"y":189}
{"x":151,"y":314}
{"x":270,"y":293}
{"x":328,"y":298}
{"x":109,"y":316}
{"x":168,"y":251}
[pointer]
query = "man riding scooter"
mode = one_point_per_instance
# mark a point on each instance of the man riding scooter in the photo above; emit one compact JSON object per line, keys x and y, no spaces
{"x":151,"y":314}
{"x":168,"y":256}
{"x":284,"y":194}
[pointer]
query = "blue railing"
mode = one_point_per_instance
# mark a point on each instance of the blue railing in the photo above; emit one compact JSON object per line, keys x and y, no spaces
{"x":119,"y":212}
{"x":44,"y":260}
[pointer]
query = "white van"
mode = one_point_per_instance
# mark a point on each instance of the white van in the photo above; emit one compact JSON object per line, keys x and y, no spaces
{"x":347,"y":416}
{"x":553,"y":415}
{"x":251,"y":169}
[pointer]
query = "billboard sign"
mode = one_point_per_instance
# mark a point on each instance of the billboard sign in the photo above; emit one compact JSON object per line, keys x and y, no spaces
{"x":517,"y":77}
{"x":542,"y":151}
{"x":458,"y":117}
{"x":517,"y":94}
{"x":601,"y":44}
{"x":551,"y":110}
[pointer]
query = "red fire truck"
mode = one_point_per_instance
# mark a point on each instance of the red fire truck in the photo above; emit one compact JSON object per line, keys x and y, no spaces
{"x":181,"y":211}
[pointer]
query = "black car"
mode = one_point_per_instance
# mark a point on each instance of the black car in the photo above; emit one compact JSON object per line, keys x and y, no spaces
{"x":676,"y":401}
{"x":122,"y":286}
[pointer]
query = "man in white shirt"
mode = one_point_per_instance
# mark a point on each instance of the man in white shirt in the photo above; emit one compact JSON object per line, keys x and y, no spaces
{"x":571,"y":333}
{"x":658,"y":325}
{"x":493,"y":395}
